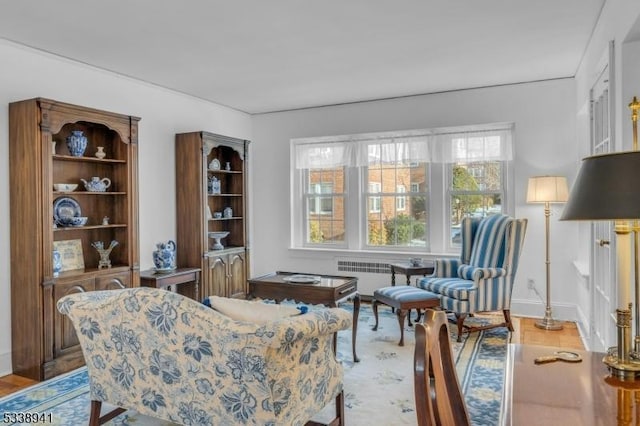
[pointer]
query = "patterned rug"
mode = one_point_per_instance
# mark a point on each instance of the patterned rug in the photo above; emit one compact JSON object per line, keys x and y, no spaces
{"x":378,"y":389}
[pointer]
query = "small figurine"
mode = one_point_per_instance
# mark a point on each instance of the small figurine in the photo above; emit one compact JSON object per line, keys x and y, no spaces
{"x":105,"y":220}
{"x":227,"y":166}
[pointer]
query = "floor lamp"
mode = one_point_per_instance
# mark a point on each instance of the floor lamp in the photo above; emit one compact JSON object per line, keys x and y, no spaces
{"x":547,"y":190}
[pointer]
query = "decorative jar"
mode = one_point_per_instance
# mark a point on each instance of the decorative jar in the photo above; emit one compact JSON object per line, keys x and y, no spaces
{"x":228,"y":212}
{"x":76,"y":143}
{"x":214,"y":185}
{"x":57,"y":262}
{"x":164,"y":257}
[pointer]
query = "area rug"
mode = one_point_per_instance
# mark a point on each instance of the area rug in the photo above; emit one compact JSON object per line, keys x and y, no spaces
{"x":378,"y":389}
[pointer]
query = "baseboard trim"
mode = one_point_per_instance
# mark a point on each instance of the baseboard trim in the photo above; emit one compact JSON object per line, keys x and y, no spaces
{"x":531,"y":309}
{"x":6,"y":367}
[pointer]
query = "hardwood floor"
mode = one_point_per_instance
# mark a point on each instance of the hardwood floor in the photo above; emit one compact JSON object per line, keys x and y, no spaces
{"x":569,"y":338}
{"x":13,"y":383}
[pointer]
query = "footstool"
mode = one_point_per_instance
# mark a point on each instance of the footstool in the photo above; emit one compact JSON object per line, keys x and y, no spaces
{"x":403,"y":298}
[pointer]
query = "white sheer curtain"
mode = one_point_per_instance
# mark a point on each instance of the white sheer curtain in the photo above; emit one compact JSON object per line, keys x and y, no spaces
{"x":466,"y":147}
{"x":324,"y":155}
{"x":450,"y":145}
{"x":394,"y":150}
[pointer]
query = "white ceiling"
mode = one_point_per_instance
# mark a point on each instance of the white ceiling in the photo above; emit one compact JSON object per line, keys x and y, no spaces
{"x":260,"y":56}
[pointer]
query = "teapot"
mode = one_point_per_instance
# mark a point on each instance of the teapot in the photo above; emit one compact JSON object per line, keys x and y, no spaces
{"x":96,"y":184}
{"x":164,"y":257}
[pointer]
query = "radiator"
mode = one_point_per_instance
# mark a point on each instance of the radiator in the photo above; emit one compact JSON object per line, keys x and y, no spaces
{"x":371,"y":273}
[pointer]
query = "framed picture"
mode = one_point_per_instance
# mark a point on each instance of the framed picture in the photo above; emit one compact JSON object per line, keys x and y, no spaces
{"x":71,"y":253}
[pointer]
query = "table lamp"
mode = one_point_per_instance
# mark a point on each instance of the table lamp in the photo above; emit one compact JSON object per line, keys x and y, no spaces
{"x":607,"y":189}
{"x":547,"y":190}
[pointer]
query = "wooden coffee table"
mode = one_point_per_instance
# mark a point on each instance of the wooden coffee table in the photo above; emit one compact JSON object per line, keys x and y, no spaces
{"x":329,"y":291}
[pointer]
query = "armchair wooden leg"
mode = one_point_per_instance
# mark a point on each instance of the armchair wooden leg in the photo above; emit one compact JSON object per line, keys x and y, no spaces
{"x":460,"y":322}
{"x":507,"y":319}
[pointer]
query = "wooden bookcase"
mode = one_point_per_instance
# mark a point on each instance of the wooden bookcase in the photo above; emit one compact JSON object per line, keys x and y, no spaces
{"x":224,"y":271}
{"x":44,"y":343}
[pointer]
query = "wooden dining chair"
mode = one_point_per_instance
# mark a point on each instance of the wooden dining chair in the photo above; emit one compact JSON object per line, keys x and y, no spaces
{"x":439,"y":400}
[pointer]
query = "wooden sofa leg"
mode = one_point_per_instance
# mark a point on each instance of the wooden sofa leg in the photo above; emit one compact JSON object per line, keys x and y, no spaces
{"x":507,"y":319}
{"x":94,"y":419}
{"x":340,"y":408}
{"x":339,"y":419}
{"x":460,"y":321}
{"x":374,"y":306}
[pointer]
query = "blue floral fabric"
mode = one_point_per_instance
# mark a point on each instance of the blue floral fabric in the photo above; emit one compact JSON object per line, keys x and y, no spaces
{"x":173,"y":358}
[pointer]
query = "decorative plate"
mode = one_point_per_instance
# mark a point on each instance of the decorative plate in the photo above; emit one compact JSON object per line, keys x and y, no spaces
{"x":303,"y":279}
{"x":64,"y":208}
{"x":214,"y":164}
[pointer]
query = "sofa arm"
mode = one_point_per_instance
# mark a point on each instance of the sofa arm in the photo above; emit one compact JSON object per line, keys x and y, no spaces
{"x":445,"y":268}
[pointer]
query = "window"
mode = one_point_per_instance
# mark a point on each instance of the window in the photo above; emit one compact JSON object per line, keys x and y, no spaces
{"x":321,"y":204}
{"x":476,"y":190}
{"x":394,"y":224}
{"x":374,"y":200}
{"x":325,"y":205}
{"x":385,"y":191}
{"x":401,"y":201}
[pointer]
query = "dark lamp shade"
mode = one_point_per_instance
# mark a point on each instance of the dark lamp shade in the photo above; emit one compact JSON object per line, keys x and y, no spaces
{"x":607,"y":188}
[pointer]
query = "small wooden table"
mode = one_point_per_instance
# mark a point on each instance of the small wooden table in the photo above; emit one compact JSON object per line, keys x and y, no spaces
{"x":329,"y":291}
{"x":563,"y":393}
{"x":408,"y":270}
{"x":150,"y":278}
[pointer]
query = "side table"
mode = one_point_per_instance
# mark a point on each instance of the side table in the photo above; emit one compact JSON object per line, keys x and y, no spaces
{"x":408,"y":270}
{"x":173,"y":279}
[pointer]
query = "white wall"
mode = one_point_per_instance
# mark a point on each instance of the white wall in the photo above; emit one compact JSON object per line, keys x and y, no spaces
{"x":27,"y":73}
{"x":619,"y":23}
{"x":544,"y":117}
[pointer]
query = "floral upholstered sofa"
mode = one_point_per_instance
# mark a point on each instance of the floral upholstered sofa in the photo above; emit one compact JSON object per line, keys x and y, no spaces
{"x":173,"y":358}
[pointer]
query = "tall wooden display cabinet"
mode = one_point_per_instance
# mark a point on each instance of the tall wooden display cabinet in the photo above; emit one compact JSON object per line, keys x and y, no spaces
{"x":44,"y":343}
{"x":212,"y":222}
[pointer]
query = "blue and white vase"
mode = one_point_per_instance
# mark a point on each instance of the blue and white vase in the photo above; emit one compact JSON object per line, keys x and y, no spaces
{"x":57,"y":263}
{"x":77,"y":143}
{"x":164,"y":258}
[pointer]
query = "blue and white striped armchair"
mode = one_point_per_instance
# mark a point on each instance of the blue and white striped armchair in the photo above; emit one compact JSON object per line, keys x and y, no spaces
{"x":482,"y":279}
{"x":175,"y":359}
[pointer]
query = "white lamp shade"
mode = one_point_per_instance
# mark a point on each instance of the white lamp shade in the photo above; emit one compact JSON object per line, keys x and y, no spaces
{"x":547,"y":189}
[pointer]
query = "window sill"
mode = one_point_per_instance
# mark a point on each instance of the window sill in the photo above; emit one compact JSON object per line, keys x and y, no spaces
{"x":390,"y":255}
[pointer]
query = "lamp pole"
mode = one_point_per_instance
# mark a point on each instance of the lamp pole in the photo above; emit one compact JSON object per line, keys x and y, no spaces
{"x":548,"y":323}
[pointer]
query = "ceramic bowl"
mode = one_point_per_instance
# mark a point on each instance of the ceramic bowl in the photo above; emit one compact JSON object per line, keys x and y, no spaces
{"x":65,"y":187}
{"x":218,"y":235}
{"x":78,"y":221}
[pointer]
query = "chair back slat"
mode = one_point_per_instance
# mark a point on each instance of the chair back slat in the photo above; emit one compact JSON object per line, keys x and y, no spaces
{"x":438,"y":397}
